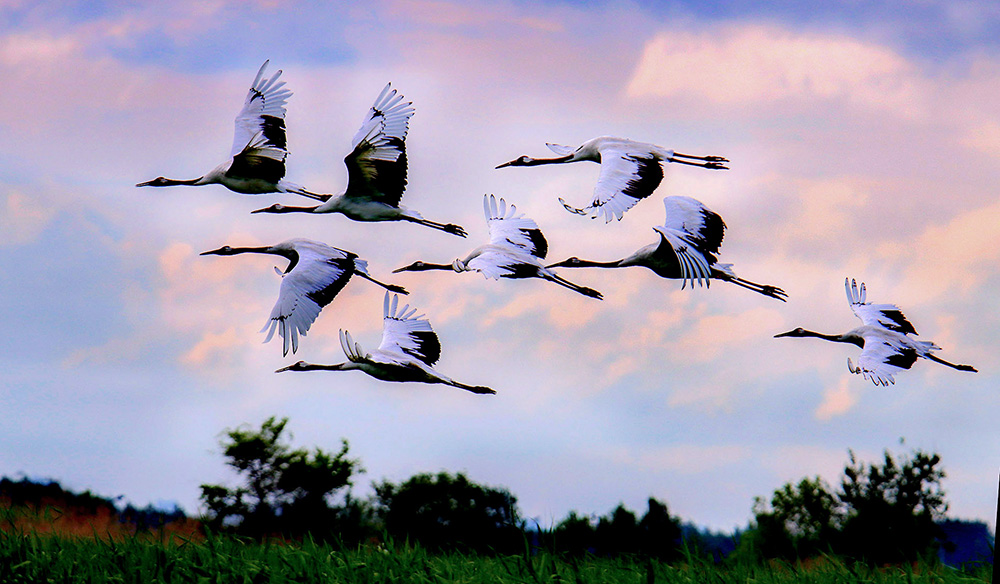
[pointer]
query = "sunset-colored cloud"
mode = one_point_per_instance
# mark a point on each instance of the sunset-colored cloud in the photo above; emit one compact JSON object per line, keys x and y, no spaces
{"x":752,"y":65}
{"x":838,"y":400}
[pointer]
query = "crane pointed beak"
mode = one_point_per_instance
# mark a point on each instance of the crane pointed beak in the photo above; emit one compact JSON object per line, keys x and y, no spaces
{"x":212,"y":252}
{"x":788,"y":334}
{"x":506,"y":164}
{"x":283,"y":369}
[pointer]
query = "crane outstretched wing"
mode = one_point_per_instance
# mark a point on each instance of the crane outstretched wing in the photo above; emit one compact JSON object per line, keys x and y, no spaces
{"x":888,"y":316}
{"x":625,"y":179}
{"x":509,"y":228}
{"x":881,"y":359}
{"x":404,"y":333}
{"x":311,"y":282}
{"x":377,"y":164}
{"x":695,"y":234}
{"x":260,"y":125}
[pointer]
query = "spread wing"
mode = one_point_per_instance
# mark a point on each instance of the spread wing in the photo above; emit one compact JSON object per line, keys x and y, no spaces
{"x":881,"y":359}
{"x":888,"y":316}
{"x":695,"y":234}
{"x":509,"y":228}
{"x":311,"y":282}
{"x":377,"y":164}
{"x":404,"y":333}
{"x":259,"y":146}
{"x":625,"y":180}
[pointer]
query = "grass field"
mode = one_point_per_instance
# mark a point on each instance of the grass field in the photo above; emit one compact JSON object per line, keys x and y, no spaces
{"x":30,"y":557}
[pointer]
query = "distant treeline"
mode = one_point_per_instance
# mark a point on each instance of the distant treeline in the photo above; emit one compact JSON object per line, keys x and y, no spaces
{"x":886,"y":512}
{"x":45,"y":506}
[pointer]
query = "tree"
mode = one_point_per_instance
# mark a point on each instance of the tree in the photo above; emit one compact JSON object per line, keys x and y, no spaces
{"x":801,"y":520}
{"x":574,"y":535}
{"x":618,"y":532}
{"x":285,"y":491}
{"x":892,"y":508}
{"x":660,"y":532}
{"x":444,"y":512}
{"x":882,"y":513}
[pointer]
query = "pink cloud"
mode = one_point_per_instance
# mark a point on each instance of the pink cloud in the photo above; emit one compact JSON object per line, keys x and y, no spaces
{"x":742,"y":65}
{"x":838,"y":400}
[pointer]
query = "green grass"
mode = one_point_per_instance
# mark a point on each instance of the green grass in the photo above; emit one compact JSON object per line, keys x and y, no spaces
{"x":30,"y":557}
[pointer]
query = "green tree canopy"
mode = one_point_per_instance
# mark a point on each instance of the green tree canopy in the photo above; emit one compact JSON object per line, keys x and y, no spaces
{"x":883,"y":512}
{"x":445,"y":511}
{"x":284,"y":491}
{"x":892,"y":507}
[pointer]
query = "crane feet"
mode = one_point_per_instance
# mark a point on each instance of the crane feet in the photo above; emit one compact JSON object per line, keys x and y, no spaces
{"x":774,"y":292}
{"x":455,"y":230}
{"x":573,"y":210}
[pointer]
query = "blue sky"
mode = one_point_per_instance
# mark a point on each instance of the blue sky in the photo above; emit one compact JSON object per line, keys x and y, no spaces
{"x":864,"y":141}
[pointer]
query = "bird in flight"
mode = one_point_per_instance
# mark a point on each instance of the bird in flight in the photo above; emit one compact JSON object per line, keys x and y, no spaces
{"x":515,"y":250}
{"x":630,"y":171}
{"x":376,"y":169}
{"x":689,"y":241}
{"x":408,"y":351}
{"x":257,"y":162}
{"x":316,"y":273}
{"x":886,"y":347}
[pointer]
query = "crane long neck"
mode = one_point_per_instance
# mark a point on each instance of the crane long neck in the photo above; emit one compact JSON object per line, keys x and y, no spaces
{"x":448,"y":267}
{"x":317,"y":367}
{"x":291,"y":209}
{"x":556,"y":160}
{"x":265,"y":249}
{"x":593,"y":264}
{"x":841,"y":338}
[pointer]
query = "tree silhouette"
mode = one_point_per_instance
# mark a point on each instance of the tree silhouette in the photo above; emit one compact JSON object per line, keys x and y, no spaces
{"x":284,"y":491}
{"x":801,"y":521}
{"x":444,"y":512}
{"x":892,"y":508}
{"x":882,"y":513}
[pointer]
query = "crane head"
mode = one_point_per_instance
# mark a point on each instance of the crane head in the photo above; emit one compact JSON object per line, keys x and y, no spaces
{"x":567,"y":263}
{"x":224,"y":250}
{"x":417,"y":266}
{"x":275,"y":208}
{"x":156,"y":182}
{"x":519,"y":161}
{"x":798,"y":332}
{"x":299,"y":366}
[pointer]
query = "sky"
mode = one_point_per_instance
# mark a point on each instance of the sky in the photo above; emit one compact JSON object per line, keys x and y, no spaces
{"x":864,"y":140}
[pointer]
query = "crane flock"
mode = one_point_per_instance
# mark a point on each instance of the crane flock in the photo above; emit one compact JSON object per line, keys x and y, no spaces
{"x":687,"y":249}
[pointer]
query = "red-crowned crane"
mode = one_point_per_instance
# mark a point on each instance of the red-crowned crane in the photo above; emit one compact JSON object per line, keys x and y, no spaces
{"x":408,"y":351}
{"x":316,"y":273}
{"x":257,"y":165}
{"x":515,"y":249}
{"x":376,"y":170}
{"x":886,"y":347}
{"x":689,"y":241}
{"x":630,"y":171}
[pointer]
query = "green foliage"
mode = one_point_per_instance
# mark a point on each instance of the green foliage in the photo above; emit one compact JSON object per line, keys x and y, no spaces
{"x":620,"y":532}
{"x":29,"y":558}
{"x":444,"y":512}
{"x":285,"y":491}
{"x":802,"y":520}
{"x":891,"y":508}
{"x":883,"y":513}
